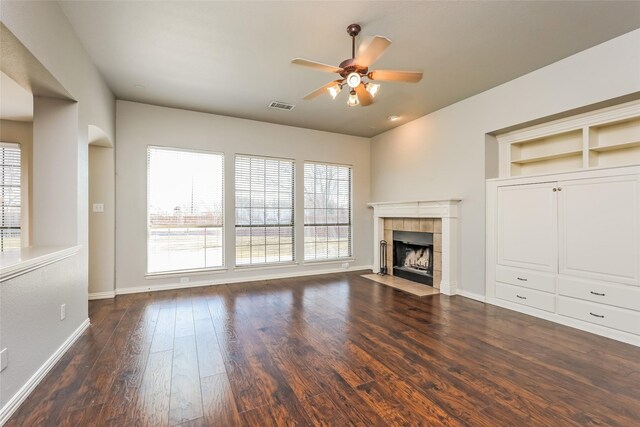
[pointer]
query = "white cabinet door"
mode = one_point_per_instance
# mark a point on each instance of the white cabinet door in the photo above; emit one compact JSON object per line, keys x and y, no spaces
{"x":527,"y":226}
{"x":599,"y":223}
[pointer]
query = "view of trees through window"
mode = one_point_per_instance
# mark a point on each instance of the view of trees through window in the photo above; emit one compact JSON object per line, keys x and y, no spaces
{"x":185,"y":210}
{"x":264,"y":210}
{"x":327,"y":211}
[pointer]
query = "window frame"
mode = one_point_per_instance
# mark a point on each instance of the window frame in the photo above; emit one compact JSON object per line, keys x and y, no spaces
{"x":181,"y":272}
{"x":266,"y":264}
{"x":351,"y":255}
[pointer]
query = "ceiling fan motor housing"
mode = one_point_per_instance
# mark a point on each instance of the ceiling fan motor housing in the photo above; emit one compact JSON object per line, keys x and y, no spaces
{"x":349,"y":66}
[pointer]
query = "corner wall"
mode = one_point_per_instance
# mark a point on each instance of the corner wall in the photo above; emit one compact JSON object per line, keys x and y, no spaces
{"x":30,"y":327}
{"x":101,"y":224}
{"x":140,"y":125}
{"x":442,"y":155}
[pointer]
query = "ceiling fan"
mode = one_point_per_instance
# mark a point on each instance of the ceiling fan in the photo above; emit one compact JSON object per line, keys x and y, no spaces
{"x":354,"y":70}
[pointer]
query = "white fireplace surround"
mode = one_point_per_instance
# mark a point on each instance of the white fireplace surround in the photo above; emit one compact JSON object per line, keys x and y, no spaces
{"x":447,"y":210}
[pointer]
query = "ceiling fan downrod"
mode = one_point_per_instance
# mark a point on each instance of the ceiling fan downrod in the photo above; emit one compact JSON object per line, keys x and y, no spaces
{"x":353,"y":30}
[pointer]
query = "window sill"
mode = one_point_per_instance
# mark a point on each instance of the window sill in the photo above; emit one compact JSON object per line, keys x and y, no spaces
{"x":266,"y":266}
{"x":182,"y":273}
{"x":329,"y":261}
{"x":23,"y":261}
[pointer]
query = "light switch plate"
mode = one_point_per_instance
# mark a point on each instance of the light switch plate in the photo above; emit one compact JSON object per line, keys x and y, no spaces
{"x":98,"y":207}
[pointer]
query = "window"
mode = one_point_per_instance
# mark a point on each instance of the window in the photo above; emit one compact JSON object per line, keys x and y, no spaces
{"x":9,"y":196}
{"x":185,"y":210}
{"x":264,"y":210}
{"x":327,"y":211}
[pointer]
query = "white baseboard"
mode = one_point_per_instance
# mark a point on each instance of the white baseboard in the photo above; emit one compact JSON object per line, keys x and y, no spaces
{"x":101,"y":295}
{"x":471,"y":295}
{"x":230,"y":280}
{"x":568,"y":321}
{"x":14,"y":403}
{"x":448,"y":288}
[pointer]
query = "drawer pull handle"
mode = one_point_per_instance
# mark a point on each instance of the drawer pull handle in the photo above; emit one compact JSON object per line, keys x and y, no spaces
{"x":520,"y":278}
{"x":597,"y":315}
{"x":521,"y":297}
{"x":596,"y":293}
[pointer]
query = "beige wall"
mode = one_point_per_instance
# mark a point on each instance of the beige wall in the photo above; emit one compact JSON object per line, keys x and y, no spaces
{"x":442,"y":155}
{"x":101,"y":224}
{"x":30,"y":326}
{"x":140,"y":125}
{"x":22,"y":133}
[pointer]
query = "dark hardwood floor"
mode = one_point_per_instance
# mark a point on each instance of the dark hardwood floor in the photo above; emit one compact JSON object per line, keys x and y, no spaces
{"x":331,"y":350}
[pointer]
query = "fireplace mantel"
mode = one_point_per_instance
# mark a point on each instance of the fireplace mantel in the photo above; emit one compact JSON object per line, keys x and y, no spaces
{"x":445,"y":209}
{"x":416,"y":209}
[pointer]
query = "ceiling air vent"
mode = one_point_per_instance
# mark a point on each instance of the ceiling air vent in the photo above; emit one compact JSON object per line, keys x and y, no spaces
{"x":278,"y":105}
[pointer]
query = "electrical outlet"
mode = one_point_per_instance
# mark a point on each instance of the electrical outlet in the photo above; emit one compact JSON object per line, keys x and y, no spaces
{"x":184,"y":280}
{"x":4,"y":359}
{"x":345,"y":265}
{"x":98,"y":207}
{"x":63,"y":311}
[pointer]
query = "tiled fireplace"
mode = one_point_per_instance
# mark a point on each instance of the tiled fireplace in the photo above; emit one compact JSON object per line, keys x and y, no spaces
{"x":437,"y":220}
{"x":424,"y":236}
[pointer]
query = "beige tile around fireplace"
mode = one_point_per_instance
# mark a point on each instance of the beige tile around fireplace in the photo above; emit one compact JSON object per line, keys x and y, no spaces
{"x":404,"y":285}
{"x":426,"y":225}
{"x":437,"y":261}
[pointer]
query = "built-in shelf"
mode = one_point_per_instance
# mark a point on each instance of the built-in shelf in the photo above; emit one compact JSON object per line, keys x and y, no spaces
{"x":620,"y":146}
{"x":603,"y":138}
{"x":548,"y":157}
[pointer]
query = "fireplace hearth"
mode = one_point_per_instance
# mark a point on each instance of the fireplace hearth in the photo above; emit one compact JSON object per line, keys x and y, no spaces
{"x":413,"y":256}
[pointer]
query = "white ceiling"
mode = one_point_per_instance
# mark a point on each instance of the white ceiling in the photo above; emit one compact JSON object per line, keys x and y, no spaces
{"x":16,"y":103}
{"x":233,"y":58}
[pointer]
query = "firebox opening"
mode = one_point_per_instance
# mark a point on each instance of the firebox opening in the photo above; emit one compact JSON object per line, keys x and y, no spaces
{"x":413,"y":256}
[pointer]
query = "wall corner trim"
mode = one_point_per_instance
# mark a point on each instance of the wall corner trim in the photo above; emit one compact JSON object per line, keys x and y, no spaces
{"x":472,"y":295}
{"x":102,"y":295}
{"x":14,"y":403}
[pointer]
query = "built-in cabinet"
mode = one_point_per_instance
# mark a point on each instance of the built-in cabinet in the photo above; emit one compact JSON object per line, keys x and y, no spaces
{"x":566,"y":246}
{"x":568,"y":249}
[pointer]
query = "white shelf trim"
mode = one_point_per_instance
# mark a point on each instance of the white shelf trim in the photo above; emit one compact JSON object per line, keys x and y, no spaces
{"x":25,"y":260}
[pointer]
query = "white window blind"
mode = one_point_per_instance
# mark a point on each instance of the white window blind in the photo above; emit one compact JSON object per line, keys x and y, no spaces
{"x":185,"y":206}
{"x":264,"y":210}
{"x":327,"y":211}
{"x":9,"y":196}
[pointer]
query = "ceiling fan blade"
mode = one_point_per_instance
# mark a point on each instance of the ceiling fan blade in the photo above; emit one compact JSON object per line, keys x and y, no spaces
{"x":364,"y":97}
{"x":396,"y":76}
{"x":317,"y":65}
{"x":321,"y":90}
{"x":370,"y":50}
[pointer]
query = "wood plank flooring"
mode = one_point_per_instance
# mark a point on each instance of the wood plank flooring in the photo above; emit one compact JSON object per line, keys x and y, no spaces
{"x":332,"y":350}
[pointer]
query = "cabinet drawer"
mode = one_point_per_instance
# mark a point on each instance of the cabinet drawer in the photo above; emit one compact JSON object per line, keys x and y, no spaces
{"x":600,"y":292}
{"x":605,"y":315}
{"x":526,"y":278}
{"x":524,"y":296}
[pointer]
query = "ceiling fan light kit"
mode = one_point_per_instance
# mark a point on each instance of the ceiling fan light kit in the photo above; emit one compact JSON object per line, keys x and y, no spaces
{"x":334,"y":90}
{"x":356,"y":68}
{"x":353,"y":80}
{"x":353,"y":99}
